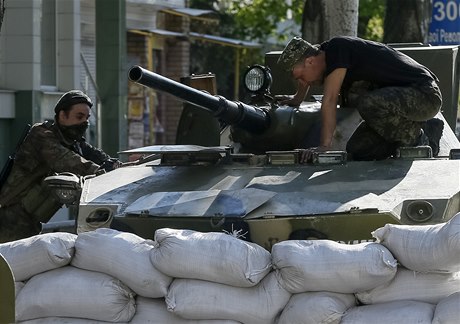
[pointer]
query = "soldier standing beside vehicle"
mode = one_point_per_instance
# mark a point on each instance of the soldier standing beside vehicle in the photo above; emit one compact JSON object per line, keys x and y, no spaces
{"x":394,"y":94}
{"x":48,"y":148}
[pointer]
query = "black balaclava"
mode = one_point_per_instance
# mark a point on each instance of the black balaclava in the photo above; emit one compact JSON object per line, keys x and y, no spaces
{"x":70,"y":98}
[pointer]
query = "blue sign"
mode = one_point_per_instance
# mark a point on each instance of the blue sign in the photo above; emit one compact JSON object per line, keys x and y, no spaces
{"x":445,"y":23}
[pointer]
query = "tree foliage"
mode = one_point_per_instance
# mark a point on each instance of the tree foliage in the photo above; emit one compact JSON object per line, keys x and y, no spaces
{"x":255,"y":20}
{"x":371,"y":18}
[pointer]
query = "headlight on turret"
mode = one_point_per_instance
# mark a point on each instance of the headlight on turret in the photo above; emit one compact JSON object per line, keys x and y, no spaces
{"x":257,"y":78}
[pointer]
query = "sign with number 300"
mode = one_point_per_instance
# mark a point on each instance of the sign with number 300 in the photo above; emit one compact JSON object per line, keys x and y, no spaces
{"x":445,"y":23}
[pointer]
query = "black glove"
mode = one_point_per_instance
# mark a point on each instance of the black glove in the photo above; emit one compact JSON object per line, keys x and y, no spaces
{"x":110,"y":164}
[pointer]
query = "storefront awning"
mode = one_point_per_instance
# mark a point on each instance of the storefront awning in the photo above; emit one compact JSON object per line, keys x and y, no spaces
{"x":199,"y":14}
{"x":225,"y":41}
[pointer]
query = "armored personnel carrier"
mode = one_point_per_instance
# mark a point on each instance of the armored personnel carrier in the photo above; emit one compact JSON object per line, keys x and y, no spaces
{"x":252,"y":185}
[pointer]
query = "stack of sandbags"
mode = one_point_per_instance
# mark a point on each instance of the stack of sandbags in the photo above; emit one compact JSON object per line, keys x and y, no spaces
{"x":47,"y":286}
{"x":218,"y":277}
{"x":336,"y":270}
{"x":411,"y":274}
{"x":99,"y":280}
{"x":429,"y":258}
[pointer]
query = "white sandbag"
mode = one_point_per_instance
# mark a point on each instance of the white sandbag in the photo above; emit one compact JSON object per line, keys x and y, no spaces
{"x":124,"y":256}
{"x":448,"y":310}
{"x":30,"y":256}
{"x":324,"y":265}
{"x":154,"y":311}
{"x":404,"y":311}
{"x":73,"y":292}
{"x":424,"y":248}
{"x":198,"y":299}
{"x":316,"y":308}
{"x":63,"y":320}
{"x":216,"y":257}
{"x":411,"y":285}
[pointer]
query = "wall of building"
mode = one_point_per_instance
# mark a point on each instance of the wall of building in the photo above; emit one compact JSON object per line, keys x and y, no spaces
{"x":24,"y":98}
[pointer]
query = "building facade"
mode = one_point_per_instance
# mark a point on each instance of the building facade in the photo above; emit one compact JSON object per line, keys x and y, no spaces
{"x":48,"y":47}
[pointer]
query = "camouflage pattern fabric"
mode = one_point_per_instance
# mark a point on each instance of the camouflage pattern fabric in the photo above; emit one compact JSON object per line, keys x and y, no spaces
{"x":24,"y":200}
{"x":294,"y":51}
{"x":393,"y":117}
{"x":16,"y":224}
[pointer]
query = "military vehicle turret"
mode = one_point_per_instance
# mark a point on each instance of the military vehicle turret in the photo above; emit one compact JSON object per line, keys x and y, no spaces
{"x":256,"y":189}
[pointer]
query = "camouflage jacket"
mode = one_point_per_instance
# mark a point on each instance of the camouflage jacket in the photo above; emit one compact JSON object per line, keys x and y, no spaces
{"x":45,"y":152}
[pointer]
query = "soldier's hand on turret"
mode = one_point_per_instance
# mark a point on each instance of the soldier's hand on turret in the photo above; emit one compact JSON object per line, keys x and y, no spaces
{"x":110,"y":164}
{"x":288,"y":100}
{"x":306,"y":155}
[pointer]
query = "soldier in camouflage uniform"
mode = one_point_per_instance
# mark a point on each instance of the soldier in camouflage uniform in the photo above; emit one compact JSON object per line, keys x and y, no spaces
{"x":394,"y":94}
{"x":49,"y":148}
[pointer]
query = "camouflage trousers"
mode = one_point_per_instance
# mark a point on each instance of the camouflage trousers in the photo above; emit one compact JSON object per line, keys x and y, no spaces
{"x":393,"y":117}
{"x":16,"y":223}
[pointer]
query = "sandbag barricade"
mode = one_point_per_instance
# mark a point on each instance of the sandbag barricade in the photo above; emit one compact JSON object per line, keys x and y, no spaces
{"x":325,"y":283}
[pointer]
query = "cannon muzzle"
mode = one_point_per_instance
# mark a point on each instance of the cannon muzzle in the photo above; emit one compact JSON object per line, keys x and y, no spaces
{"x":250,"y":118}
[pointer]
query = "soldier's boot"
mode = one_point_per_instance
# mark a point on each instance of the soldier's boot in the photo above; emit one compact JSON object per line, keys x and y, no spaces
{"x":366,"y":145}
{"x":433,"y":130}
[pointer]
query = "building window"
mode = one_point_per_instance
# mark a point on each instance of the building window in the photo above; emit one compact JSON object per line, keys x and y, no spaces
{"x":48,"y":43}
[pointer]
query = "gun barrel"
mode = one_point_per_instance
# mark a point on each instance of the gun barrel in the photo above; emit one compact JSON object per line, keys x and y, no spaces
{"x":251,"y":118}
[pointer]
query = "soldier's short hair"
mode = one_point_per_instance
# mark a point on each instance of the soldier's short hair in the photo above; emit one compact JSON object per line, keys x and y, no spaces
{"x":71,"y":98}
{"x":295,"y":50}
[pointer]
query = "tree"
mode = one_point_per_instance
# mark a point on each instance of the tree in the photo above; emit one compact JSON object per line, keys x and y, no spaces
{"x":259,"y":19}
{"x":323,"y":19}
{"x":411,"y":16}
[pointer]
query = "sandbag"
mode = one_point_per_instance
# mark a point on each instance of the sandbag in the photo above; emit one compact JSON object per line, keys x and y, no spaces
{"x":424,"y":248}
{"x":198,"y":299}
{"x":324,"y":265}
{"x":124,"y":256}
{"x":448,"y":310}
{"x":63,"y":320}
{"x":411,"y":285}
{"x":154,"y":311}
{"x":404,"y":311}
{"x":33,"y":255}
{"x":216,"y":257}
{"x":73,"y":292}
{"x":316,"y":308}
